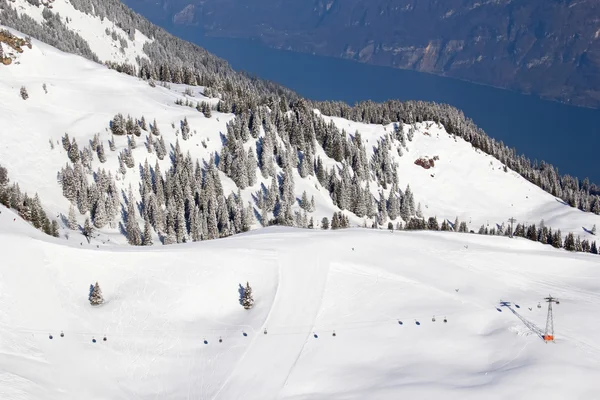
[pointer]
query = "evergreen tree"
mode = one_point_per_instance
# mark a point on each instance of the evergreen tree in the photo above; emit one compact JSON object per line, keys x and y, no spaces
{"x":432,"y":224}
{"x":147,"y":239}
{"x":100,"y":217}
{"x":325,"y":223}
{"x":304,"y":204}
{"x":73,"y":152}
{"x":154,"y":128}
{"x":251,"y":167}
{"x":72,"y":221}
{"x":419,"y":212}
{"x":247,"y":298}
{"x":569,"y":244}
{"x":88,"y":230}
{"x":134,"y":235}
{"x":54,"y":228}
{"x":557,"y":240}
{"x":95,"y":296}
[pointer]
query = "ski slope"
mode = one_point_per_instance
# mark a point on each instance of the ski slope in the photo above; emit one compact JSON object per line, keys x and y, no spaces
{"x":163,"y":302}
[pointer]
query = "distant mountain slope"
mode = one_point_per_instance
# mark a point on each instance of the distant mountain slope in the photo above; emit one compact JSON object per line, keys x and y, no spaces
{"x":551,"y":48}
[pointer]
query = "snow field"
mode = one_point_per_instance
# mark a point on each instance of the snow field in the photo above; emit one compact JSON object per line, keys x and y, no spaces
{"x":161,"y":303}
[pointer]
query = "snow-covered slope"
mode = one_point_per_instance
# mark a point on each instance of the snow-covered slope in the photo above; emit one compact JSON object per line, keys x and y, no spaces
{"x":82,"y":97}
{"x":162,"y":304}
{"x":107,"y":40}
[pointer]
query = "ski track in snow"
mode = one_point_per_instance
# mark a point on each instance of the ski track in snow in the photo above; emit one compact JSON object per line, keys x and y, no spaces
{"x":297,"y":302}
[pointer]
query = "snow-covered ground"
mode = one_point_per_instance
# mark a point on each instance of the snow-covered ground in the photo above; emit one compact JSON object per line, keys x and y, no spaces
{"x":163,"y":303}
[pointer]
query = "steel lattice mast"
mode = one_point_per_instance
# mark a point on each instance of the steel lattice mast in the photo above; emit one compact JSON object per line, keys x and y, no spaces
{"x":549,"y":333}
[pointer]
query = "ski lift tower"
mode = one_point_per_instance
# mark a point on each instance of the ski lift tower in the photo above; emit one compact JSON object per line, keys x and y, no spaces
{"x":549,"y":333}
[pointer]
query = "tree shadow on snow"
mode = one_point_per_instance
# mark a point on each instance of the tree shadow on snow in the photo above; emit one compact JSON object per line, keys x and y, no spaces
{"x":587,"y":230}
{"x":241,"y":292}
{"x":564,"y":203}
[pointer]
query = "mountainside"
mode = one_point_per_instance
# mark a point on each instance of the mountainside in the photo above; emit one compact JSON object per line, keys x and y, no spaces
{"x":174,"y":328}
{"x":215,"y":153}
{"x":182,"y":169}
{"x":114,"y":134}
{"x":550,"y":48}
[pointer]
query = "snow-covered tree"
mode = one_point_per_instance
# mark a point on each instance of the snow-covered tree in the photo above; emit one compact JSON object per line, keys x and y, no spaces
{"x":147,"y":238}
{"x":72,"y":220}
{"x":247,"y":298}
{"x":95,"y":296}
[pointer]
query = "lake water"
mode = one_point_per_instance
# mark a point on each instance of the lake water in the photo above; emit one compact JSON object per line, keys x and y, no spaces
{"x":562,"y":135}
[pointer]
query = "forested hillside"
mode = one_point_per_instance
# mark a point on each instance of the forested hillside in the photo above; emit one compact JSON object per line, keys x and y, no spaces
{"x":220,"y":152}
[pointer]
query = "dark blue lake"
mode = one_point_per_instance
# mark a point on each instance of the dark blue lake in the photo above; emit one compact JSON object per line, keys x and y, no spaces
{"x":560,"y":134}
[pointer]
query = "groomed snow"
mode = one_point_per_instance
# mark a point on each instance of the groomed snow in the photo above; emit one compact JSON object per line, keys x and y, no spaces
{"x":162,"y":303}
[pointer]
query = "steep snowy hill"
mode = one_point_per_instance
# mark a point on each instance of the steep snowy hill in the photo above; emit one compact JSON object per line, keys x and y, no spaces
{"x":166,"y":309}
{"x":68,"y":94}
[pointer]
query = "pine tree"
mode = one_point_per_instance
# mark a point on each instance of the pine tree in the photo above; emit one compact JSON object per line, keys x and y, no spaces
{"x":325,"y":223}
{"x":304,"y":204}
{"x":251,"y":167}
{"x":74,"y":152}
{"x":54,"y":228}
{"x":594,"y":229}
{"x":100,"y":217}
{"x":72,"y":218}
{"x":134,"y":235}
{"x":147,"y":239}
{"x":569,"y":244}
{"x":419,"y":212}
{"x":87,"y":229}
{"x":154,"y":129}
{"x":95,"y":296}
{"x":247,"y":298}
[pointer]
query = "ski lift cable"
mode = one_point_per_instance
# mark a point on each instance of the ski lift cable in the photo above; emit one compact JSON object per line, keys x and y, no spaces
{"x":273,"y":329}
